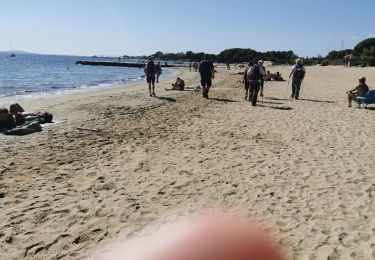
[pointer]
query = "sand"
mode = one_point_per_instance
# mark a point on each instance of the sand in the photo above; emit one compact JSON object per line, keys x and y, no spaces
{"x":304,"y":167}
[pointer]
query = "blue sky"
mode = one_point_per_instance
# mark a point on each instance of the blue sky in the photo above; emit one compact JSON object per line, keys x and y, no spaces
{"x":135,"y":27}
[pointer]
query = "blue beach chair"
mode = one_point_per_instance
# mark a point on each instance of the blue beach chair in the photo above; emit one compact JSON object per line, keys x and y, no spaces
{"x":368,"y":99}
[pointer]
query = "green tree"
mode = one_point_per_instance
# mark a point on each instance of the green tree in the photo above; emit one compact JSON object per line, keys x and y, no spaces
{"x":365,"y":44}
{"x":368,"y":56}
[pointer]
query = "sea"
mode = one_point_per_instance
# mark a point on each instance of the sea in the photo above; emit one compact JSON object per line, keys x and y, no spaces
{"x":29,"y":75}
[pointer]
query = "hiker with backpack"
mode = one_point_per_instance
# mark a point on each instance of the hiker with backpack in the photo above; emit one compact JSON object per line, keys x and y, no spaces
{"x":246,"y":80}
{"x":263,"y":70}
{"x":207,"y":72}
{"x":298,"y":74}
{"x":254,"y":75}
{"x":150,"y":71}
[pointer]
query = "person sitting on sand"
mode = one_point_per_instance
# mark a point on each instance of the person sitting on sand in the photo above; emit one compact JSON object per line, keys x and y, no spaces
{"x":277,"y":77}
{"x":7,"y":121}
{"x":179,"y":85}
{"x":268,"y":76}
{"x":358,"y":91}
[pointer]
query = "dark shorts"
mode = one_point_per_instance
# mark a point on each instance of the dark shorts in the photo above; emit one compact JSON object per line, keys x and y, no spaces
{"x":206,"y":82}
{"x":151,"y":79}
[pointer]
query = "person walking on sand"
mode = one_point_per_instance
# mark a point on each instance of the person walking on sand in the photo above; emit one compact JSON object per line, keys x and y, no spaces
{"x":254,"y":74}
{"x":158,"y":71}
{"x":298,"y":72}
{"x":150,"y":71}
{"x":263,"y":70}
{"x":246,"y":80}
{"x":358,"y":91}
{"x":207,"y":73}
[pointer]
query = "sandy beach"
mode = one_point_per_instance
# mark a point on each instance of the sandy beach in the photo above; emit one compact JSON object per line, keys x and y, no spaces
{"x":303,"y":167}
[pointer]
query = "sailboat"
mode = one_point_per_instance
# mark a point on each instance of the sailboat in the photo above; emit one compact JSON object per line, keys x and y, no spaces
{"x":11,"y":54}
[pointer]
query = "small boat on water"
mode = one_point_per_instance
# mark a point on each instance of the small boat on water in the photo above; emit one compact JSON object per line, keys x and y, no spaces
{"x":11,"y":54}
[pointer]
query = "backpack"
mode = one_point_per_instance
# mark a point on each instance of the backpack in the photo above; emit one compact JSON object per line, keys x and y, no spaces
{"x":205,"y":68}
{"x":254,"y":73}
{"x":150,"y":69}
{"x":299,"y":72}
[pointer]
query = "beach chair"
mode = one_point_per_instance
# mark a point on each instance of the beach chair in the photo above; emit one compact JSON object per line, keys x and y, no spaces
{"x":368,"y":99}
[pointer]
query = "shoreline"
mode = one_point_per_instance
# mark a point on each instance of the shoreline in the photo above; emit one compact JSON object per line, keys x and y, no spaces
{"x":51,"y":94}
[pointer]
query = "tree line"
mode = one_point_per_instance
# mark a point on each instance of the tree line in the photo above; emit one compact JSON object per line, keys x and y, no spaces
{"x":235,"y":55}
{"x":362,"y":54}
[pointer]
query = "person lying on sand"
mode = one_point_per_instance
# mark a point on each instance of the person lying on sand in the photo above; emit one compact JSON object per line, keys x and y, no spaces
{"x":358,"y":91}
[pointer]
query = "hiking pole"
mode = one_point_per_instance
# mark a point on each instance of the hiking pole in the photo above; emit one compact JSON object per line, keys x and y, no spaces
{"x":287,"y":87}
{"x":301,"y":89}
{"x":264,"y":83}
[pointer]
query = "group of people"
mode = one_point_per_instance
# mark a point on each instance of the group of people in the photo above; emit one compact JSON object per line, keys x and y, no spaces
{"x":254,"y":76}
{"x":193,"y":65}
{"x":273,"y":76}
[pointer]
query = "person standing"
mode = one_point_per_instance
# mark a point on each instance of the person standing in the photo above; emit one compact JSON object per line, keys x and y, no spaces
{"x":254,"y":74}
{"x":195,"y":66}
{"x":150,"y":71}
{"x":207,"y":72}
{"x":263,"y":71}
{"x":158,"y":71}
{"x":298,"y":72}
{"x":246,"y":80}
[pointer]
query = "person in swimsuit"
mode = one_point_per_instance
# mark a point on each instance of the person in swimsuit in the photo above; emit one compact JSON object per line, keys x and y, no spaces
{"x":358,"y":91}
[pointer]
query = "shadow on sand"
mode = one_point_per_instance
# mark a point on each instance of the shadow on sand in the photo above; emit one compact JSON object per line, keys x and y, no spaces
{"x":317,"y":101}
{"x":270,"y":102}
{"x":167,"y":99}
{"x":225,"y":100}
{"x":278,"y":99}
{"x":302,"y":99}
{"x":278,"y":108}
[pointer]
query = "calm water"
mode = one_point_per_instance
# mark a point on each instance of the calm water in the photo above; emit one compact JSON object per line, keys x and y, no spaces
{"x":31,"y":75}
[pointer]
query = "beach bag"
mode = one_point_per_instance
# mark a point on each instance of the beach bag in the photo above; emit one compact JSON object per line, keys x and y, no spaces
{"x":299,"y":72}
{"x":255,"y":73}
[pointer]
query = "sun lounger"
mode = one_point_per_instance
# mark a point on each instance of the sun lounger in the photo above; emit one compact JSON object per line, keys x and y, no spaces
{"x":368,"y":99}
